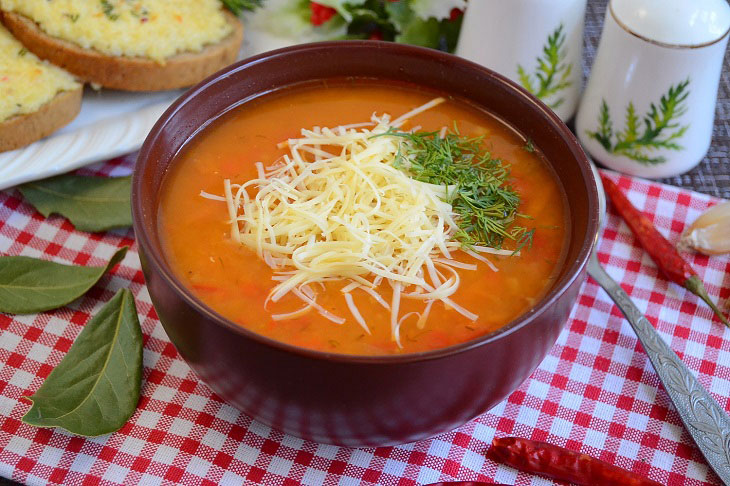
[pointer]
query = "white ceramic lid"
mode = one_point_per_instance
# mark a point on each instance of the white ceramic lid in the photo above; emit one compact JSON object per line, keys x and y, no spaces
{"x":677,"y":22}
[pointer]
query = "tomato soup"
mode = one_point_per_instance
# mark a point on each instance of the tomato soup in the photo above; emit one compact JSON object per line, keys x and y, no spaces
{"x":235,"y":281}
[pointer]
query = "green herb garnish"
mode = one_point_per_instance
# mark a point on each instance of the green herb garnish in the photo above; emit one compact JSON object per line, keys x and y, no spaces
{"x":108,"y":10}
{"x":22,"y":52}
{"x":529,"y":146}
{"x":143,"y":14}
{"x":478,"y":186}
{"x":238,"y":6}
{"x":73,"y":17}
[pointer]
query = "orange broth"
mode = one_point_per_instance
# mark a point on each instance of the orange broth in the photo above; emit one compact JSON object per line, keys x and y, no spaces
{"x":233,"y":281}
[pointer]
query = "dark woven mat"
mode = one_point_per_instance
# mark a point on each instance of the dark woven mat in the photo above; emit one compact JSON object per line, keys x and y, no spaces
{"x":712,"y":176}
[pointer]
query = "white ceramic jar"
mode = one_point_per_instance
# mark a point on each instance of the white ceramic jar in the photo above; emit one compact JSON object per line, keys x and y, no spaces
{"x":648,"y":109}
{"x":536,"y":43}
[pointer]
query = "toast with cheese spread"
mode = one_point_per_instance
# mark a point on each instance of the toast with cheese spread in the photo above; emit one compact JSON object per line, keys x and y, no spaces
{"x":36,"y":98}
{"x":132,"y":45}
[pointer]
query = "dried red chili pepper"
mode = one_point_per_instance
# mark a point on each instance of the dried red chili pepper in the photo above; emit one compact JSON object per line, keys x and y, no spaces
{"x":320,"y":13}
{"x":661,"y":251}
{"x":562,"y":464}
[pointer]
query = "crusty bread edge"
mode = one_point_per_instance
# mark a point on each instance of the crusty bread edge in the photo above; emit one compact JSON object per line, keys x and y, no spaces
{"x":128,"y":73}
{"x":21,"y":130}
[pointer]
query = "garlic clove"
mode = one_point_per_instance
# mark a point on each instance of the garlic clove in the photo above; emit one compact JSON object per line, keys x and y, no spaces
{"x":710,"y":233}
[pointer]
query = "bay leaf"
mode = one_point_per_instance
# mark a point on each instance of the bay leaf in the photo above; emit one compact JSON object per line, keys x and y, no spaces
{"x":29,"y":285}
{"x":90,"y":203}
{"x":95,"y":388}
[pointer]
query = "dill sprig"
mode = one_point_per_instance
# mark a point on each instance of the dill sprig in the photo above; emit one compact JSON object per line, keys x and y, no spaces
{"x":238,"y":6}
{"x":478,"y":185}
{"x":108,"y":10}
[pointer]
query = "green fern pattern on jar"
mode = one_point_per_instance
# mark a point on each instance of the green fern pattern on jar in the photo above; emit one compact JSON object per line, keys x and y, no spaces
{"x":552,"y":74}
{"x":661,"y":128}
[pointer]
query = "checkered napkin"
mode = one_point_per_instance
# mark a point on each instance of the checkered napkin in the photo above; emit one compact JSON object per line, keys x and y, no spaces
{"x":595,"y":391}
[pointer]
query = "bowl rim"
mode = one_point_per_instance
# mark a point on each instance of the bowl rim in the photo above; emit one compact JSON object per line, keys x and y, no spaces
{"x":158,"y":264}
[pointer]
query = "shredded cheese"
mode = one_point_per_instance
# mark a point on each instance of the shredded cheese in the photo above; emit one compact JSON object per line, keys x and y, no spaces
{"x":336,"y":207}
{"x":26,"y":82}
{"x":356,"y":312}
{"x":153,"y":29}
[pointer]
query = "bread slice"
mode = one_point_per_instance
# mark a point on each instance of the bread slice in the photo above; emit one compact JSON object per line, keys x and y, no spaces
{"x":128,"y":73}
{"x":21,"y":130}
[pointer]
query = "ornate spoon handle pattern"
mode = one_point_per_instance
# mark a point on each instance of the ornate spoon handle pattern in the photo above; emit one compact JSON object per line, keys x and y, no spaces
{"x":704,"y":419}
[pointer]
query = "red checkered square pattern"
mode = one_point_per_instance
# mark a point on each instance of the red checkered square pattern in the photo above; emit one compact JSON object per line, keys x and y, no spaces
{"x":595,"y":391}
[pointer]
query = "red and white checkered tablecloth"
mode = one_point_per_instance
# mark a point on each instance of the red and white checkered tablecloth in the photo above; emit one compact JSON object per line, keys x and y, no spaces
{"x":595,"y":391}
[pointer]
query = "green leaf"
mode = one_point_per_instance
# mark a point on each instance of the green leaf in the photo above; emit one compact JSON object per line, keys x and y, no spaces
{"x":367,"y":18}
{"x":343,"y":7}
{"x":368,"y":21}
{"x":412,"y":29}
{"x":95,"y":388}
{"x":238,"y":6}
{"x":450,"y":34}
{"x":421,"y":33}
{"x":292,"y":20}
{"x":400,"y":13}
{"x":29,"y":285}
{"x":90,"y":203}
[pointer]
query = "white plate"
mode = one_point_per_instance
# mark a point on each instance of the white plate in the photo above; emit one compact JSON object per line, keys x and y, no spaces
{"x":111,"y":123}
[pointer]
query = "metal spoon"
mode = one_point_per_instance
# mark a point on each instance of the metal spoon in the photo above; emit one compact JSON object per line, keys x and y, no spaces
{"x":704,"y":419}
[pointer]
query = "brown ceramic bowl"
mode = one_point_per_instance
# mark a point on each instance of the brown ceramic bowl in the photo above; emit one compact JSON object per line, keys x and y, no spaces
{"x":360,"y":400}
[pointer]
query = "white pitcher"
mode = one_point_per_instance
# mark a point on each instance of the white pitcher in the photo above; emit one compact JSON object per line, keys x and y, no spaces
{"x":536,"y":43}
{"x":649,"y":106}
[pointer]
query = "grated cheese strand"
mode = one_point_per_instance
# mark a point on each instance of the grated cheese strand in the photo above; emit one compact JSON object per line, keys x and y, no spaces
{"x":310,"y":301}
{"x":337,"y":208}
{"x":292,"y":315}
{"x":356,"y":312}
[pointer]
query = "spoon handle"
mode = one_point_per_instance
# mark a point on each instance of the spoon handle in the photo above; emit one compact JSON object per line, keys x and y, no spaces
{"x":704,"y":419}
